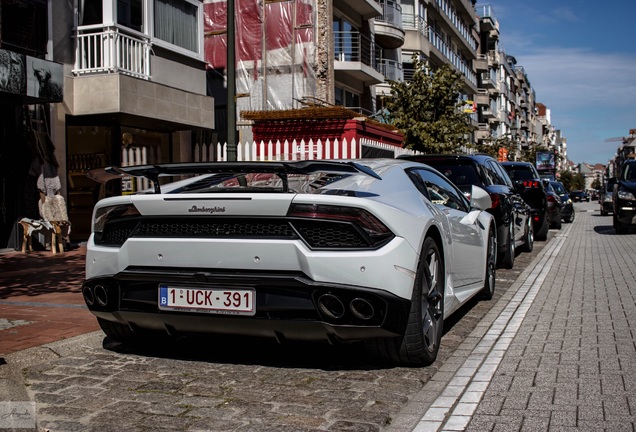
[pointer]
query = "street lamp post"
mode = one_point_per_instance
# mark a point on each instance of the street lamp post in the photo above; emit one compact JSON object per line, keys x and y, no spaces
{"x":231,"y":83}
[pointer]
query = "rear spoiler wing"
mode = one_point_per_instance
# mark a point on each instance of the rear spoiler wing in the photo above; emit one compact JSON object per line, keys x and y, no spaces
{"x":281,"y":168}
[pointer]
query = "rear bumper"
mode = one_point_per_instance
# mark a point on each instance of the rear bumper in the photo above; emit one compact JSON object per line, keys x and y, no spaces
{"x":287,"y":305}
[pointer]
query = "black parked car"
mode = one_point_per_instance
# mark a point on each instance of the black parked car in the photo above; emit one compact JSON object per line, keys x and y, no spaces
{"x":526,"y":175}
{"x":567,"y":212}
{"x":625,"y":197}
{"x":512,"y":214}
{"x":555,"y":205}
{"x":579,"y":196}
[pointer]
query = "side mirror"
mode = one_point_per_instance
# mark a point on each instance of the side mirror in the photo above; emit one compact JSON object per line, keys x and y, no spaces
{"x":479,"y":198}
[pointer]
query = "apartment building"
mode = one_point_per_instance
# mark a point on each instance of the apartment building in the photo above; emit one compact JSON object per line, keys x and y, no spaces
{"x":443,"y":32}
{"x":301,"y":53}
{"x":130,"y":87}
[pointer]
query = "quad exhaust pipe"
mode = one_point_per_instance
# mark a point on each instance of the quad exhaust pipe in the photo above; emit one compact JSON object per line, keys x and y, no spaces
{"x":334,"y":308}
{"x":95,"y":295}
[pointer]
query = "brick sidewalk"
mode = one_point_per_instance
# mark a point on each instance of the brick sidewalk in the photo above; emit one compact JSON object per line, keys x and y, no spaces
{"x":41,"y":300}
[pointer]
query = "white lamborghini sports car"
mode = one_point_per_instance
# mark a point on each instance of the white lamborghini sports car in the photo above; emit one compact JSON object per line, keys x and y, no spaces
{"x":380,"y":250}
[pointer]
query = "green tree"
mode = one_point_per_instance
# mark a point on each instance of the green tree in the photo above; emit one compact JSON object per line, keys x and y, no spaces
{"x":596,"y":184}
{"x":565,"y":177}
{"x":572,"y":181}
{"x":427,"y":110}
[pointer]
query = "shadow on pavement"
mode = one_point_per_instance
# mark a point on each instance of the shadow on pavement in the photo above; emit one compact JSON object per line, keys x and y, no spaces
{"x":36,"y":273}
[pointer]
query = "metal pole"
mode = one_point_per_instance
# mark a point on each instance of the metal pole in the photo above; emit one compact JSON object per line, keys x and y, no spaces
{"x":231,"y":84}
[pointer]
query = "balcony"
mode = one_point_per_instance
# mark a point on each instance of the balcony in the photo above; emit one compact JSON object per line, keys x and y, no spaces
{"x":494,"y":58}
{"x":415,"y":22}
{"x":488,"y":82}
{"x":488,"y":113}
{"x":111,"y":49}
{"x":482,"y":98}
{"x":487,"y":20}
{"x":392,"y":70}
{"x":388,"y":28}
{"x":355,"y":58}
{"x":481,"y":63}
{"x":366,"y":8}
{"x":447,"y":55}
{"x":482,"y":132}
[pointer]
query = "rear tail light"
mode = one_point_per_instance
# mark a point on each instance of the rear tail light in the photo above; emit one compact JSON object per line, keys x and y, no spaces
{"x":360,"y":220}
{"x":113,"y":225}
{"x":494,"y":198}
{"x":551,"y":198}
{"x":531,"y":183}
{"x":536,"y":218}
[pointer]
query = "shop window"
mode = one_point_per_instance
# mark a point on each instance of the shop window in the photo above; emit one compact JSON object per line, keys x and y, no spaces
{"x":23,"y":26}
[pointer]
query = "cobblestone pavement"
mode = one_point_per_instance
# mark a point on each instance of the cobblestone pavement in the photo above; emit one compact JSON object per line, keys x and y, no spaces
{"x":226,"y":384}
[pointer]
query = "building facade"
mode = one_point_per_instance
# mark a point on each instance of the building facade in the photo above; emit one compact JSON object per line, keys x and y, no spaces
{"x":133,"y":90}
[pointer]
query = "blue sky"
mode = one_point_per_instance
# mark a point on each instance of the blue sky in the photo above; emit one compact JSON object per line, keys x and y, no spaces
{"x":580,"y":58}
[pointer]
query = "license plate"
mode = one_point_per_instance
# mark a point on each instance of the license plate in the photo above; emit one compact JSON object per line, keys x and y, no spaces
{"x":218,"y":301}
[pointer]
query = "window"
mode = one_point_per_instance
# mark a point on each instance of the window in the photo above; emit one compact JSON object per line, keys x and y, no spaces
{"x":439,"y":190}
{"x":90,"y":12}
{"x":502,"y":174}
{"x":23,"y":26}
{"x":346,"y":98}
{"x":129,"y":14}
{"x":176,"y":23}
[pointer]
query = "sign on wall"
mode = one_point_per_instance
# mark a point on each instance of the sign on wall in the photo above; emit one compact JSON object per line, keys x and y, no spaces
{"x":545,"y":161}
{"x":12,"y":72}
{"x":44,"y":80}
{"x":40,"y":80}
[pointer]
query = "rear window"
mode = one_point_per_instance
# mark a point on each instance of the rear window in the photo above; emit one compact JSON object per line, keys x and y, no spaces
{"x":519,"y":172}
{"x":458,"y":172}
{"x":558,"y":187}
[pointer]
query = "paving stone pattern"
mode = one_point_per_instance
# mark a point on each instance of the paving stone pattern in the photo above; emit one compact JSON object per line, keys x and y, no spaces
{"x":572,"y":364}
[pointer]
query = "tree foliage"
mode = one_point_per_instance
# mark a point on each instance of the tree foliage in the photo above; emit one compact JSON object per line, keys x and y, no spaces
{"x":572,"y":181}
{"x":427,"y":110}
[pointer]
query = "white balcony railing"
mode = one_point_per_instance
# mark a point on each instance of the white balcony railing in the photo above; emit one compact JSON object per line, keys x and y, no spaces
{"x":111,"y":49}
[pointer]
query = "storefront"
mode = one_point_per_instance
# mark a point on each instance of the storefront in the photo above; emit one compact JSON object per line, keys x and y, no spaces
{"x":28,"y":86}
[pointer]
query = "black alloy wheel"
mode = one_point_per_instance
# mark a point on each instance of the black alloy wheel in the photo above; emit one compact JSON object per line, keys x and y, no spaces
{"x":508,"y":258}
{"x":528,"y":240}
{"x":420,"y":344}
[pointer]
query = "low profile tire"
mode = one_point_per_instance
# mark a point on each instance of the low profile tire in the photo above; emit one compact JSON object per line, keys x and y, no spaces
{"x":489,"y":281}
{"x":572,"y":216}
{"x":508,"y":257}
{"x":528,"y":240}
{"x":420,"y":344}
{"x":620,"y":227}
{"x":557,"y":224}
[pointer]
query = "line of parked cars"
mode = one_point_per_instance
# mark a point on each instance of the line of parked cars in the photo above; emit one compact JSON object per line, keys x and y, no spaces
{"x":374,"y":250}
